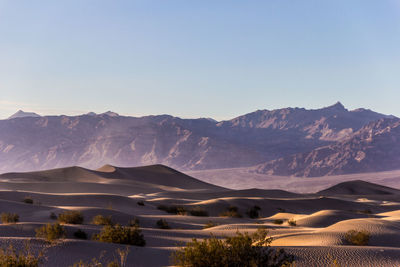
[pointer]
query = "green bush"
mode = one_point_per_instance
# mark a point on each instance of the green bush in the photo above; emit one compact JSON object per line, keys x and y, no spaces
{"x":198,"y":211}
{"x":232,"y":211}
{"x":80,"y":234}
{"x":71,"y":217}
{"x":278,"y":221}
{"x":209,"y":225}
{"x":24,"y":258}
{"x":163,"y":224}
{"x":9,"y":217}
{"x":51,"y":232}
{"x":292,"y":222}
{"x":254,"y":212}
{"x":28,"y":200}
{"x":102,"y":220}
{"x":240,"y":250}
{"x":358,"y":238}
{"x":121,"y":235}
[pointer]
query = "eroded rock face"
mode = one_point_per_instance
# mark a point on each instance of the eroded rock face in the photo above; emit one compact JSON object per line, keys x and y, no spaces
{"x":375,"y":147}
{"x":92,"y":140}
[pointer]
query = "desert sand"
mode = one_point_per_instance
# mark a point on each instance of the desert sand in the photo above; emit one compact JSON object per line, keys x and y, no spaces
{"x":322,"y":218}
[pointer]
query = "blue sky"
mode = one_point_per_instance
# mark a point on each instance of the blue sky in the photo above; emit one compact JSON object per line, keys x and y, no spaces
{"x":203,"y":58}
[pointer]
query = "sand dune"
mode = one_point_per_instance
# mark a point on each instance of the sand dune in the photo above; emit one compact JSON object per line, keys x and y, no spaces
{"x":322,"y":218}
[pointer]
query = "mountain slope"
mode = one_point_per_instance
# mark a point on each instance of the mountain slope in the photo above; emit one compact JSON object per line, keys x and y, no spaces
{"x":375,"y":147}
{"x":92,"y":140}
{"x":23,"y":114}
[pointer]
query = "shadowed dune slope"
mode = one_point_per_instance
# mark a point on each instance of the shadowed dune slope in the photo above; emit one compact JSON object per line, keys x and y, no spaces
{"x":359,"y":187}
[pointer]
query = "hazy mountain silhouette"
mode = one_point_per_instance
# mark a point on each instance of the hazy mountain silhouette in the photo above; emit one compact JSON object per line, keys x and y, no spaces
{"x":92,"y":140}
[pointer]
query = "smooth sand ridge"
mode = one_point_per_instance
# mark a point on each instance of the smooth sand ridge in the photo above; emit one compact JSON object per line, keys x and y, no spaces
{"x":322,"y":218}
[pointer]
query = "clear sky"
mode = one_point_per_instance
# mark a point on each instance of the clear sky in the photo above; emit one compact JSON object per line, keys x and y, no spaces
{"x":203,"y":58}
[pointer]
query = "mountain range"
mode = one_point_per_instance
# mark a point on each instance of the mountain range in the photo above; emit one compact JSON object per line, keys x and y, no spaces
{"x":288,"y":141}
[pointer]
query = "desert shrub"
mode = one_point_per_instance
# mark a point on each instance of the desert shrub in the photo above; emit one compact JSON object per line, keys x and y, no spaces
{"x":80,"y":234}
{"x":162,"y":224}
{"x":9,"y":217}
{"x":278,"y":221}
{"x":71,"y":217}
{"x":209,"y":225}
{"x":134,"y":222}
{"x":240,"y":250}
{"x":28,"y":200}
{"x":24,"y":258}
{"x":358,"y":238}
{"x":53,"y":216}
{"x":254,"y":212}
{"x":232,"y":211}
{"x":140,"y":203}
{"x":102,"y":220}
{"x":198,"y":211}
{"x":119,"y":261}
{"x":292,"y":222}
{"x":121,"y":235}
{"x":172,"y":209}
{"x":51,"y":232}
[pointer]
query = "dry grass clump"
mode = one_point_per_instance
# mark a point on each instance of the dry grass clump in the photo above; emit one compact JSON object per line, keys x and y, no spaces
{"x":28,"y":200}
{"x":173,"y":209}
{"x":9,"y":217}
{"x":358,"y":238}
{"x":71,"y":217}
{"x":240,"y":250}
{"x":51,"y":232}
{"x":278,"y":221}
{"x":254,"y":212}
{"x":121,"y":235}
{"x":198,"y":211}
{"x":162,"y":224}
{"x":119,"y":261}
{"x":24,"y":258}
{"x":292,"y":222}
{"x":102,"y":220}
{"x":232,"y":211}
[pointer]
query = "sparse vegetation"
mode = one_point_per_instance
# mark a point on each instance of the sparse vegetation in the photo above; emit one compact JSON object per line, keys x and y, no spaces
{"x":71,"y":217}
{"x":24,"y":258}
{"x":102,"y":220}
{"x":240,"y":250}
{"x":140,"y":203}
{"x":53,"y":216}
{"x":134,"y":222}
{"x":292,"y":222}
{"x":121,"y":235}
{"x":278,"y":221}
{"x":281,"y":209}
{"x":209,"y":225}
{"x":173,"y":209}
{"x":80,"y":234}
{"x":51,"y":232}
{"x":254,"y":212}
{"x":162,"y":224}
{"x":121,"y":262}
{"x":232,"y":211}
{"x":9,"y":217}
{"x":198,"y":211}
{"x":28,"y":200}
{"x":358,"y":238}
